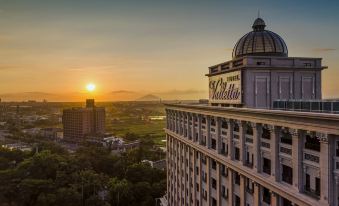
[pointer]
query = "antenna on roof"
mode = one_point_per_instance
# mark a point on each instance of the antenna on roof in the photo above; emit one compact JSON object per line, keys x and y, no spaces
{"x":258,"y":13}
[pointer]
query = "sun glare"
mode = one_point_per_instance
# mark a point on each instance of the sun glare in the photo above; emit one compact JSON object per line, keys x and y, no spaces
{"x":90,"y":87}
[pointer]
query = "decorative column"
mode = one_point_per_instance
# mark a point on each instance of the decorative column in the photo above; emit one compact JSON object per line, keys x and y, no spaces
{"x":175,"y":121}
{"x":242,"y":190}
{"x":324,"y":168}
{"x":218,"y":185}
{"x":230,"y":138}
{"x":297,"y":151}
{"x":257,"y":132}
{"x":199,"y":129}
{"x":168,"y":164}
{"x":193,"y":128}
{"x":208,"y":179}
{"x":242,"y":132}
{"x":193,"y":175}
{"x":230,"y":187}
{"x":208,"y":132}
{"x":274,"y":199}
{"x":200,"y":175}
{"x":218,"y":134}
{"x":256,"y":194}
{"x":179,"y":175}
{"x":275,"y":152}
{"x":188,"y":116}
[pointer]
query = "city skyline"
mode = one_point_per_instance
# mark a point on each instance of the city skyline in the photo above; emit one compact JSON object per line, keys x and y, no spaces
{"x":150,"y":47}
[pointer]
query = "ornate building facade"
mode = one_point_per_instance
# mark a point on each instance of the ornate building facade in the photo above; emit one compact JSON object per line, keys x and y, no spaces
{"x":239,"y":149}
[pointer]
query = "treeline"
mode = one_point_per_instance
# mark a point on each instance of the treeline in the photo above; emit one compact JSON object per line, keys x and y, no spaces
{"x":90,"y":176}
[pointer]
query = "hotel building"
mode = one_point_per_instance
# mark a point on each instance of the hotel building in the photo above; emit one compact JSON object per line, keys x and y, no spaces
{"x":266,"y":136}
{"x":80,"y":122}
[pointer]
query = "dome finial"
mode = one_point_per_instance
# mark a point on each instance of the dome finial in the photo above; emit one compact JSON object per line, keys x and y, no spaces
{"x":259,"y":23}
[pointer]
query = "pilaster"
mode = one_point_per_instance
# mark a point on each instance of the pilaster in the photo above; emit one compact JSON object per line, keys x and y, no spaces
{"x":230,"y":186}
{"x":242,"y":191}
{"x":297,"y":150}
{"x":324,"y":168}
{"x":274,"y":131}
{"x":230,"y":138}
{"x":218,"y":134}
{"x":256,"y":194}
{"x":257,"y":132}
{"x":208,"y":132}
{"x":242,"y":132}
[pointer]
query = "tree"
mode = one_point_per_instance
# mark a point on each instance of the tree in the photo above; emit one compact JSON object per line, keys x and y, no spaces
{"x":119,"y":192}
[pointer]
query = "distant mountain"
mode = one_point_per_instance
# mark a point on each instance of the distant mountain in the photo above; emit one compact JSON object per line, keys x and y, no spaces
{"x":149,"y":97}
{"x":118,"y":95}
{"x":121,"y":95}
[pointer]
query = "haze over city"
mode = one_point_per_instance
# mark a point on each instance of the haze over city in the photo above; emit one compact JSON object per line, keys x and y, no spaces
{"x":53,"y":49}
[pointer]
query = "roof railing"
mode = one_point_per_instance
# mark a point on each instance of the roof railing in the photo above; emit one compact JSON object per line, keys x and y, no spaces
{"x":322,"y":106}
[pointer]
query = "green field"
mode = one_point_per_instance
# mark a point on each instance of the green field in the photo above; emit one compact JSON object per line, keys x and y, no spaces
{"x":132,"y":117}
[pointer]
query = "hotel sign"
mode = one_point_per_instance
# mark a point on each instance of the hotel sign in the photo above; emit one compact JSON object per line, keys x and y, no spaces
{"x":225,"y":88}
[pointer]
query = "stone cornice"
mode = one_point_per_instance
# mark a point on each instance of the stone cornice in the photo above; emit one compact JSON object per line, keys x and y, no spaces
{"x":319,"y":122}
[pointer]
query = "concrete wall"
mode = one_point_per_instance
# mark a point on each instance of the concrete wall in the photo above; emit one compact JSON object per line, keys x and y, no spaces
{"x":262,"y":86}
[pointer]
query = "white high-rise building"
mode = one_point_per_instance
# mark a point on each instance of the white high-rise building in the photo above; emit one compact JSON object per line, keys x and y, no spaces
{"x":266,"y":136}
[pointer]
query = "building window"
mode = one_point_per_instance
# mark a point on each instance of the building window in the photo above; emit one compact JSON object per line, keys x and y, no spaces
{"x":224,"y":124}
{"x":286,"y":138}
{"x":212,"y":122}
{"x":197,"y":185}
{"x":286,"y":202}
{"x":236,"y":127}
{"x":214,"y":164}
{"x":266,"y":134}
{"x":249,"y":160}
{"x":237,"y":200}
{"x":223,"y":148}
{"x":249,"y":186}
{"x":236,"y":178}
{"x":317,"y":186}
{"x":223,"y":192}
{"x":249,"y":129}
{"x":214,"y":183}
{"x":308,"y":183}
{"x":312,"y":143}
{"x":223,"y":171}
{"x":214,"y":202}
{"x":266,"y":196}
{"x":260,"y":63}
{"x":267,"y":166}
{"x":337,"y":149}
{"x":287,"y":174}
{"x":237,"y":153}
{"x":214,"y":144}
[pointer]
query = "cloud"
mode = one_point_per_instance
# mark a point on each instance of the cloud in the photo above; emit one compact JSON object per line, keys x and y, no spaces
{"x":324,"y":49}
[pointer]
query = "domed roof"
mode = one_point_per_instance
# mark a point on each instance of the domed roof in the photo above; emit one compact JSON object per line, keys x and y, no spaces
{"x":260,"y":42}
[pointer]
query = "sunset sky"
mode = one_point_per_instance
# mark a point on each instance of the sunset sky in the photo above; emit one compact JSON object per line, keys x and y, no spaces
{"x":58,"y":46}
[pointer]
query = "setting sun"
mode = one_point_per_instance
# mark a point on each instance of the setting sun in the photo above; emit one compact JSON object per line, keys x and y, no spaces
{"x":90,"y":87}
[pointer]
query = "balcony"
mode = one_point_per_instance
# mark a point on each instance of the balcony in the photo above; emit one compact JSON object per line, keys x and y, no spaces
{"x":265,"y":143}
{"x":311,"y":156}
{"x":285,"y":149}
{"x":235,"y":135}
{"x":249,"y":139}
